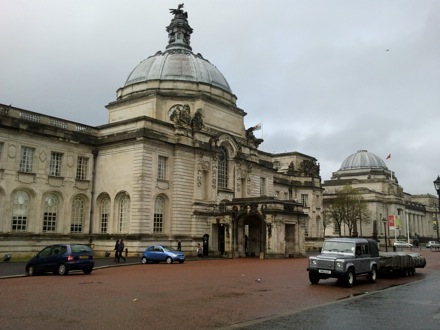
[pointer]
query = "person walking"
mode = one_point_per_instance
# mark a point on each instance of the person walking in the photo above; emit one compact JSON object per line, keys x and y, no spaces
{"x":116,"y":251}
{"x":199,"y":251}
{"x":179,"y":246}
{"x":121,"y":250}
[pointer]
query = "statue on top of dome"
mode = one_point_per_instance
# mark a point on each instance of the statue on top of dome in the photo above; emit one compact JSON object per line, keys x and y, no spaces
{"x":179,"y":11}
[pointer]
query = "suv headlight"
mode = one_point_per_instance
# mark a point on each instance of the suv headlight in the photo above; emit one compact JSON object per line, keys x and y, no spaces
{"x":339,"y":265}
{"x":313,"y":263}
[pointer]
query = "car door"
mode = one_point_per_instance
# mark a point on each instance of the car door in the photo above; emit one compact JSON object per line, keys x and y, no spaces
{"x":52,"y":260}
{"x":156,"y":253}
{"x":41,"y":259}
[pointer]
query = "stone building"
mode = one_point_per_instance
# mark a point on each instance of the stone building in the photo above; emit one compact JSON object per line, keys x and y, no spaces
{"x":174,"y":162}
{"x":365,"y":171}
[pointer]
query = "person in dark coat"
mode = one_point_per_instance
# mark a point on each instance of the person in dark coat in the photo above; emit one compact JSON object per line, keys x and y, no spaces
{"x":179,"y":246}
{"x":116,"y":251}
{"x":120,"y":250}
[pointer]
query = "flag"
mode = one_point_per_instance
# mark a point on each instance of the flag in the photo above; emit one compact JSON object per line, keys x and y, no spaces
{"x":257,"y":127}
{"x":389,"y":156}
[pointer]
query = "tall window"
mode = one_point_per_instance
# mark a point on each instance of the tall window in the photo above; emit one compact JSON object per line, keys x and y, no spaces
{"x":105,"y":211}
{"x":162,"y":168}
{"x":20,"y":211}
{"x":305,"y":200}
{"x":262,"y":186}
{"x":50,"y":213}
{"x":159,"y":209}
{"x":76,"y":225}
{"x":55,"y":163}
{"x":1,"y":150}
{"x":124,"y":213}
{"x":26,"y":157}
{"x":81,"y":170}
{"x":223,"y":168}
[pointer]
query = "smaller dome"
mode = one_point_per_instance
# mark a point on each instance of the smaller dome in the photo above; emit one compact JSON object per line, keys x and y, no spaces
{"x":362,"y":159}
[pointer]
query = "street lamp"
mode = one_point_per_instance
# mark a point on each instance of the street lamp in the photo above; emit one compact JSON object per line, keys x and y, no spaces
{"x":437,"y":187}
{"x":385,"y":228}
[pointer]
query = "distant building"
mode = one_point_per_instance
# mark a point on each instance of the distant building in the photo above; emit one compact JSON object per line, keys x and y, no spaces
{"x":174,"y":162}
{"x":379,"y":187}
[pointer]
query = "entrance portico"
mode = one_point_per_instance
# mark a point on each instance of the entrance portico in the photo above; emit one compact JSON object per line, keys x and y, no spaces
{"x":261,"y":227}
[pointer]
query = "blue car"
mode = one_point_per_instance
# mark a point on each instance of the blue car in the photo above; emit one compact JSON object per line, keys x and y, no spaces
{"x":62,"y":258}
{"x":158,"y":253}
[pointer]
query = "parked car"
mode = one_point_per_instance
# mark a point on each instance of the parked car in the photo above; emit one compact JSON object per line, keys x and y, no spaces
{"x":433,"y":245}
{"x":345,"y":259}
{"x":62,"y":258}
{"x":158,"y":253}
{"x":402,"y":244}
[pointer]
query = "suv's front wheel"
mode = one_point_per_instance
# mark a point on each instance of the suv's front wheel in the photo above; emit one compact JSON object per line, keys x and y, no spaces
{"x":349,"y":278}
{"x":313,"y":277}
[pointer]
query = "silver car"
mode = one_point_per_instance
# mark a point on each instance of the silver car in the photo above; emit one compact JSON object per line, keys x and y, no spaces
{"x":402,"y":244}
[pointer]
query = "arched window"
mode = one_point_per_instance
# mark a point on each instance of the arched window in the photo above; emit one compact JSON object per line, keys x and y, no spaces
{"x":159,"y":210}
{"x":76,"y":225}
{"x":222,"y":168}
{"x":20,"y":211}
{"x":50,"y":213}
{"x":105,"y":213}
{"x":124,"y":213}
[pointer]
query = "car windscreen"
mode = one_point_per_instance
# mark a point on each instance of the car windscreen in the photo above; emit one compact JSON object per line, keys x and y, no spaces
{"x":346,"y":248}
{"x":169,"y":248}
{"x":80,"y":249}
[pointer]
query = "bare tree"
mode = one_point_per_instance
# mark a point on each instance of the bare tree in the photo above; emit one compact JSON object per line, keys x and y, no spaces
{"x":348,"y":208}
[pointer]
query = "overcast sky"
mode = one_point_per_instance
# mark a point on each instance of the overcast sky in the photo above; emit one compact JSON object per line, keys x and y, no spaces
{"x":325,"y":77}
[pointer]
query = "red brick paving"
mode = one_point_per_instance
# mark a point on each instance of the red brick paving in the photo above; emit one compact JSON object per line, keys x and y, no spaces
{"x":204,"y":294}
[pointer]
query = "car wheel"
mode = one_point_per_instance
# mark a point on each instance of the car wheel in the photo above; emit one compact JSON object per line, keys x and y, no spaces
{"x":349,"y":278}
{"x":144,"y":260}
{"x":87,"y":271}
{"x":31,"y":271}
{"x":169,"y":260}
{"x":62,"y":270}
{"x":372,"y":275}
{"x":314,"y":278}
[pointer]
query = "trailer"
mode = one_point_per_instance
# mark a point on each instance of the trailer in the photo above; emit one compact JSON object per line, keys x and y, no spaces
{"x":400,"y":263}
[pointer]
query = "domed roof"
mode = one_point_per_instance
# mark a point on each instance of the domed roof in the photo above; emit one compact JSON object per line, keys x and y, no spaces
{"x":362,"y":159}
{"x":178,"y":62}
{"x":178,"y":65}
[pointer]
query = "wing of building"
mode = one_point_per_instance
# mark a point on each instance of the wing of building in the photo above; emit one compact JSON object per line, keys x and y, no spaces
{"x":174,"y":162}
{"x":412,"y":216}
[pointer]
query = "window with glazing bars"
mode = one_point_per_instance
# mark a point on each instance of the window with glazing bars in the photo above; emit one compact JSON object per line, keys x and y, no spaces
{"x":124,"y":212}
{"x":26,"y":158}
{"x":20,"y":211}
{"x":81,"y":170}
{"x":162,"y":168}
{"x":105,"y":210}
{"x":50,"y":213}
{"x":159,"y":207}
{"x":56,"y":159}
{"x":222,"y":168}
{"x":77,"y":215}
{"x":305,"y":200}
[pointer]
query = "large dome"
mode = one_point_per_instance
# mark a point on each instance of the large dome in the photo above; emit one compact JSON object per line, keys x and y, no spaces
{"x":362,"y":159}
{"x":178,"y":62}
{"x":182,"y":65}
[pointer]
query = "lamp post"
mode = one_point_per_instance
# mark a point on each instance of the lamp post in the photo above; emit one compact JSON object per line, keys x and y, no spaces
{"x":437,"y":187}
{"x":385,"y":228}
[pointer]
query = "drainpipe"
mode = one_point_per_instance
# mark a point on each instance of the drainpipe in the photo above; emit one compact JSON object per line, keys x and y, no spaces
{"x":92,"y":192}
